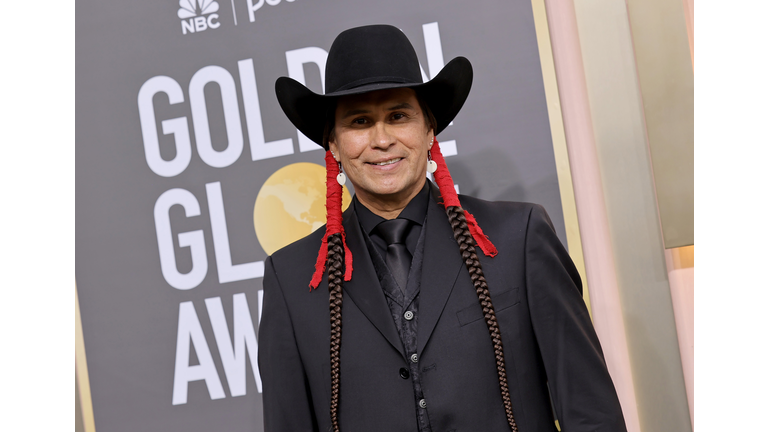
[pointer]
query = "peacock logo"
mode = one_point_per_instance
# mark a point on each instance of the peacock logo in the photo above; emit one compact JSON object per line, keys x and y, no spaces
{"x":198,"y":15}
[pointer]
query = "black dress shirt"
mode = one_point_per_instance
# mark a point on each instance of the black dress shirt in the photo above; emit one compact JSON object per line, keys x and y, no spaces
{"x":415,"y":211}
{"x":403,"y":306}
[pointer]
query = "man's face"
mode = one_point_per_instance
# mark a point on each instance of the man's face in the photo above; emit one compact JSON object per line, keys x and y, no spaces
{"x":381,"y":139}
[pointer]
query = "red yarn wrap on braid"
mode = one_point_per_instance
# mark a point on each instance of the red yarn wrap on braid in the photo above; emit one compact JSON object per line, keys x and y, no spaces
{"x":333,"y":226}
{"x":450,"y":199}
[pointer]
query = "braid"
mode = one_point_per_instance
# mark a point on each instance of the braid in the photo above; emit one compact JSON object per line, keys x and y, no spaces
{"x":335,"y":264}
{"x":467,"y":247}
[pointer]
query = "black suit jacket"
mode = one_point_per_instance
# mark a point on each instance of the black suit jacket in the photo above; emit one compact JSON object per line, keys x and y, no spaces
{"x":547,"y":334}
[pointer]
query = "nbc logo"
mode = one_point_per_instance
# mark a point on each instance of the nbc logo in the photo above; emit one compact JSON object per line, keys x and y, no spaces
{"x":193,"y":15}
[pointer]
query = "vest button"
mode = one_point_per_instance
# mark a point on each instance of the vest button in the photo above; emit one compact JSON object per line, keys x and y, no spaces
{"x":408,"y":315}
{"x":404,"y":374}
{"x":414,"y":357}
{"x":423,"y":403}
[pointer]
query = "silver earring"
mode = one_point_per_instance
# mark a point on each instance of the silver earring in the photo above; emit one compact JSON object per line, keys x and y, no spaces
{"x":431,"y":165}
{"x":341,"y":178}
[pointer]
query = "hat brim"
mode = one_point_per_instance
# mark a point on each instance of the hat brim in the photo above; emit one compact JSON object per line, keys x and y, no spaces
{"x":445,"y":94}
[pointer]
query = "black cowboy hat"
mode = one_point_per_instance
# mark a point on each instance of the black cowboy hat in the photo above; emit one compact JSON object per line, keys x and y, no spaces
{"x":370,"y":58}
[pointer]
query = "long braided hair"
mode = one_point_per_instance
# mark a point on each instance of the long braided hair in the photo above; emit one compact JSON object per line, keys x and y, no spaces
{"x":335,"y":265}
{"x":337,"y":259}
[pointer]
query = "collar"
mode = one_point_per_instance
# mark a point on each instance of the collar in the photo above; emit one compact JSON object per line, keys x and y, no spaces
{"x":415,"y":211}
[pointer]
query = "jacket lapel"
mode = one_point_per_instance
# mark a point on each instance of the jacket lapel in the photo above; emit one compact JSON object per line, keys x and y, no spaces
{"x":441,"y":268}
{"x":364,"y":288}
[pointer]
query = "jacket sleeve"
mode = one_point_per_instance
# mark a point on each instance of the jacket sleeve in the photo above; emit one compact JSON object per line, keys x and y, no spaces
{"x":286,"y":397}
{"x":582,"y":390}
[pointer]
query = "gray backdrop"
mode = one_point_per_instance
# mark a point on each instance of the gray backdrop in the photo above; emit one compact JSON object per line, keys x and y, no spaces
{"x":130,"y":311}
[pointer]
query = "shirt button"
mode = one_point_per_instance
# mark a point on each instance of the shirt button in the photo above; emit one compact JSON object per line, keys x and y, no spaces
{"x":423,"y":403}
{"x":414,"y":357}
{"x":404,"y":374}
{"x":408,"y":315}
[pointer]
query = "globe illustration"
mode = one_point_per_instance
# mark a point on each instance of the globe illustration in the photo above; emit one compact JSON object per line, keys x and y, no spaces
{"x":291,"y":205}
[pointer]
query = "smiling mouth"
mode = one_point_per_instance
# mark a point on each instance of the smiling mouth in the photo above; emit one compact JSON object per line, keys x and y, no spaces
{"x":389,"y":162}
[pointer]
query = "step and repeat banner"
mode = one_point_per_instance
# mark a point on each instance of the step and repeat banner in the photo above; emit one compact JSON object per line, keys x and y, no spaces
{"x":189,"y":176}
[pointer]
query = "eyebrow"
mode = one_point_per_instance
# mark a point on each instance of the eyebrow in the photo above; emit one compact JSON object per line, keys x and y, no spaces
{"x":402,"y":105}
{"x":356,"y":111}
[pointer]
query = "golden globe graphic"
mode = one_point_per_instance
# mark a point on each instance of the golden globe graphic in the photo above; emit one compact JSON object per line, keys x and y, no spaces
{"x":291,"y":205}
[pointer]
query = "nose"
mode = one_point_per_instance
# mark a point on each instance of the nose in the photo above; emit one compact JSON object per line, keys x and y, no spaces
{"x":382,"y":138}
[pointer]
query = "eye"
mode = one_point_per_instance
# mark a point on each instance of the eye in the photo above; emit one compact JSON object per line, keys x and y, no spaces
{"x":398,"y":116}
{"x":359,"y":121}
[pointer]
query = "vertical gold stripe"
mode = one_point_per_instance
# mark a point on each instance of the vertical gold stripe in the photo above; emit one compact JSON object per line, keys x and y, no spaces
{"x":552,"y":94}
{"x":682,"y":257}
{"x":688,"y":5}
{"x":81,"y":368}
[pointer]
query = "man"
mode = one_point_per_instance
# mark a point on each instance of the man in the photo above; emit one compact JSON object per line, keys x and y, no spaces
{"x":447,"y":326}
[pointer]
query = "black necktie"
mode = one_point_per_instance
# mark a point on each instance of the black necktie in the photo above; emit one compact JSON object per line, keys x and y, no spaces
{"x":398,"y":258}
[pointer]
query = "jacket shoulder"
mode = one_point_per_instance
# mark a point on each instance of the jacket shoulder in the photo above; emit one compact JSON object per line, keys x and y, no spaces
{"x":298,"y":258}
{"x":502,"y":211}
{"x":507,"y":222}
